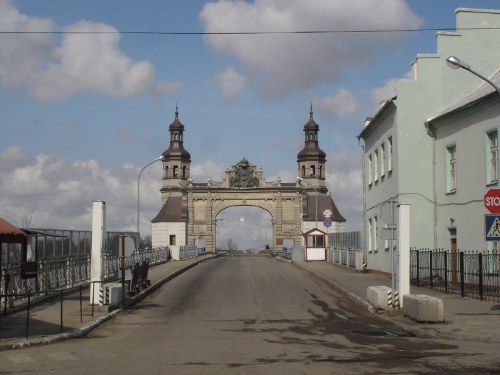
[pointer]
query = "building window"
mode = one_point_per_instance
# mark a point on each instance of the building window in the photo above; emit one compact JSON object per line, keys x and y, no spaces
{"x":386,"y":242}
{"x":451,"y":169}
{"x":492,"y":158}
{"x":382,"y":160}
{"x":315,"y":241}
{"x":389,"y":154}
{"x":312,"y":170}
{"x":370,"y":170}
{"x":175,"y":171}
{"x":172,"y":240}
{"x":370,"y":237}
{"x":375,"y":233}
{"x":375,"y":165}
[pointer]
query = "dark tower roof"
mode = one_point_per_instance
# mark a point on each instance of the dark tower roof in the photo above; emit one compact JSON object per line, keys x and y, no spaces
{"x":311,"y":150}
{"x":176,"y":150}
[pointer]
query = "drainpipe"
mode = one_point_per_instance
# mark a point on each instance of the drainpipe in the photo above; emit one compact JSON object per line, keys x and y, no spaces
{"x":364,"y":201}
{"x":431,"y":134}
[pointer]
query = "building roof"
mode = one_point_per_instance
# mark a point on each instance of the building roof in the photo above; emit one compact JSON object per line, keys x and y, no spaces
{"x":9,"y":233}
{"x":172,"y":211}
{"x":375,"y":119}
{"x":323,"y":202}
{"x":478,"y":94}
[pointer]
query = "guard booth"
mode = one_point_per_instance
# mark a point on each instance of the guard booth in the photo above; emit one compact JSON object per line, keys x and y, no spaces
{"x":315,"y":245}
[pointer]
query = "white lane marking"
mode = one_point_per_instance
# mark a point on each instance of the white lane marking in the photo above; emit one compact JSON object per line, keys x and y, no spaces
{"x":20,"y":358}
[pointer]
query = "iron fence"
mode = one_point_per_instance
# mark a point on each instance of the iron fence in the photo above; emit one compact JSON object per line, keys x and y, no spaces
{"x":346,"y":240}
{"x":472,"y":274}
{"x":65,"y":273}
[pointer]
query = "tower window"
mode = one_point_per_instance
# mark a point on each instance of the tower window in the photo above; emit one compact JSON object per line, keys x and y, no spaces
{"x":175,"y":171}
{"x":312,"y":170}
{"x":184,"y":172}
{"x":303,"y":171}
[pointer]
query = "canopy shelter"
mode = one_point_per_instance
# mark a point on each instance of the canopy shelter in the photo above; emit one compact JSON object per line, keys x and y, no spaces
{"x":11,"y":234}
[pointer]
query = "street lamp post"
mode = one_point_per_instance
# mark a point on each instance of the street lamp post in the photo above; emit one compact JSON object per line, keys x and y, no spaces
{"x":138,"y":188}
{"x":455,"y":63}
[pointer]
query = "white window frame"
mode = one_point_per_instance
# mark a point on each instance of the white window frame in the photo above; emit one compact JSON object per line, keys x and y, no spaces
{"x":451,"y":168}
{"x":375,"y":165}
{"x":375,"y":233}
{"x":389,"y":154}
{"x":382,"y":160}
{"x":370,"y":237}
{"x":370,"y":169}
{"x":492,"y":157}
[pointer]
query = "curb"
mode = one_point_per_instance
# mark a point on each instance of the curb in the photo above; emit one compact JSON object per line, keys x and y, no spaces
{"x":85,"y":329}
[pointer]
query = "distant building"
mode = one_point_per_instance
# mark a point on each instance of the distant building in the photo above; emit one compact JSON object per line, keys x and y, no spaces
{"x":188,"y":215}
{"x":406,"y":163}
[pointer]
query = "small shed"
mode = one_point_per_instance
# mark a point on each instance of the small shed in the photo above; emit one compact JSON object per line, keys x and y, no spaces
{"x":315,"y":244}
{"x":9,"y":234}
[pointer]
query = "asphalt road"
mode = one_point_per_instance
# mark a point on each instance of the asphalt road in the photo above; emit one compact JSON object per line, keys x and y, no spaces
{"x":249,"y":315}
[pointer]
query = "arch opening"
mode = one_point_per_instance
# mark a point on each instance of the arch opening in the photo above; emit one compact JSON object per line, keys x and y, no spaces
{"x":243,"y":229}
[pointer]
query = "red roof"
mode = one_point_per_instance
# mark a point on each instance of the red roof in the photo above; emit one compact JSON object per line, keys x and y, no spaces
{"x":10,"y":233}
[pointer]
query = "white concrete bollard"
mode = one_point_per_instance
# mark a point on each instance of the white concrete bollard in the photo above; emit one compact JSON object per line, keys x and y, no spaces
{"x":423,"y":308}
{"x":379,"y":296}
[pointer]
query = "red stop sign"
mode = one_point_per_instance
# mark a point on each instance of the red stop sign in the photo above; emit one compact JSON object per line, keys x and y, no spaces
{"x":492,"y":201}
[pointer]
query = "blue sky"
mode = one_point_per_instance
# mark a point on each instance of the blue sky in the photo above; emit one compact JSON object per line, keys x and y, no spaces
{"x":81,"y":114}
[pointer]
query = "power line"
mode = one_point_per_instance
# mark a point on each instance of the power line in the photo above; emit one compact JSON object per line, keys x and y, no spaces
{"x":354,"y":31}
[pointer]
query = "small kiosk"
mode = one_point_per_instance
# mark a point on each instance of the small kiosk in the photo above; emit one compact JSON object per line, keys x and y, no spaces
{"x":315,"y":244}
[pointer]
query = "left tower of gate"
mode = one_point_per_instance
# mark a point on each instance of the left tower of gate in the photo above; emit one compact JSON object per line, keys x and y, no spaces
{"x":169,"y":227}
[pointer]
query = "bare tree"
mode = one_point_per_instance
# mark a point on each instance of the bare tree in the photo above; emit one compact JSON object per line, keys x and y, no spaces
{"x":26,"y":221}
{"x":231,"y":246}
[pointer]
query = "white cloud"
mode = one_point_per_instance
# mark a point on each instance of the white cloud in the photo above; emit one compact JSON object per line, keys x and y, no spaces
{"x":61,"y":193}
{"x":388,"y":91}
{"x":342,"y":104}
{"x":82,"y":62}
{"x":230,"y":83}
{"x":94,"y":62}
{"x":344,"y":179}
{"x":279,"y":64}
{"x":19,"y":63}
{"x":209,"y":169}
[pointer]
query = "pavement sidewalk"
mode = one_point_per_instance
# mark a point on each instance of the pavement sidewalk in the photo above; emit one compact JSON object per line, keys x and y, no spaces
{"x":465,"y":319}
{"x":44,"y":323}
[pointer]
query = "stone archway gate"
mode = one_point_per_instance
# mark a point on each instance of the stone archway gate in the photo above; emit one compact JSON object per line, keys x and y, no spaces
{"x":244,"y":185}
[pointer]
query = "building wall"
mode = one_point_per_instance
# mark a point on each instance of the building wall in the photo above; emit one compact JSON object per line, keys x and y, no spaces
{"x":432,"y":88}
{"x":161,"y":233}
{"x":381,"y":189}
{"x":461,"y":213}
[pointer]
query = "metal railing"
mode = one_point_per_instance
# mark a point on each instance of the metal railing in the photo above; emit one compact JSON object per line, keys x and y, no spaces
{"x":191,"y":251}
{"x":472,"y":274}
{"x":65,"y":273}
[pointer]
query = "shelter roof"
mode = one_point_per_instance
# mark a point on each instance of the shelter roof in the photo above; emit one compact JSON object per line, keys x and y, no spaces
{"x":10,"y":233}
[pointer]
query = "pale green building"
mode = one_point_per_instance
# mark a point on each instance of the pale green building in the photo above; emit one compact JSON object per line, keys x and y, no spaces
{"x":402,"y":158}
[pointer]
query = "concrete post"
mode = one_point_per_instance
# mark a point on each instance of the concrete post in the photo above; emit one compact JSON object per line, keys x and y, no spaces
{"x":98,"y":231}
{"x":403,"y":286}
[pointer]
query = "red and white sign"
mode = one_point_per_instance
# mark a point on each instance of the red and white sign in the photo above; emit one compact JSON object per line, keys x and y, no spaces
{"x":492,"y":201}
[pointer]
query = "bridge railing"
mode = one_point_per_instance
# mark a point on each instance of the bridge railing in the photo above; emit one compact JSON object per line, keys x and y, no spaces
{"x":66,"y":273}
